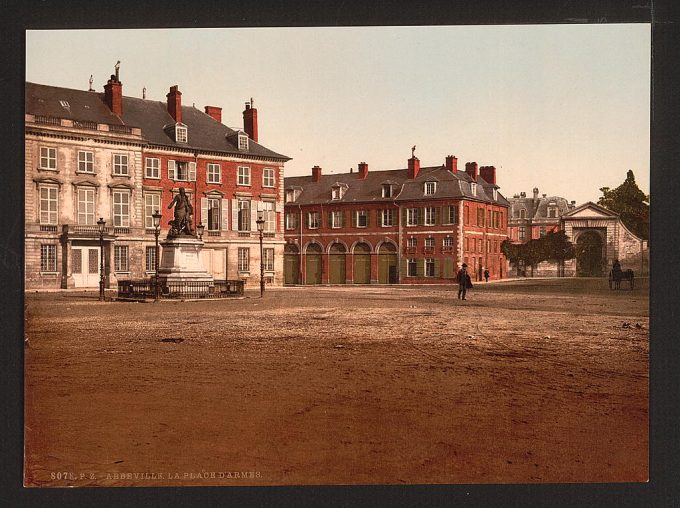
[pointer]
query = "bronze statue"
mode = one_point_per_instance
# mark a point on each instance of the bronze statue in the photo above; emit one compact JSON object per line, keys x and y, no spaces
{"x":181,"y":225}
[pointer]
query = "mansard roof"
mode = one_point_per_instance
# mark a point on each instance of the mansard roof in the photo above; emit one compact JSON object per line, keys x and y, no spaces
{"x":449,"y":186}
{"x":204,"y":132}
{"x":537,"y":208}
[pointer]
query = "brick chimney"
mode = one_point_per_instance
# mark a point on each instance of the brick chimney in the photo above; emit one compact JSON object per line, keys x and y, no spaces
{"x":175,"y":103}
{"x":316,"y":174}
{"x":214,"y":112}
{"x":452,"y":163}
{"x":413,"y":167}
{"x":113,"y":95}
{"x":471,"y":169}
{"x":488,"y":173}
{"x":250,"y":120}
{"x":535,"y":193}
{"x":363,"y":171}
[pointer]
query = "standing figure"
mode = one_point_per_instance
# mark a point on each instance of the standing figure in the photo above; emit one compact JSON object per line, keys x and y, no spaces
{"x":486,"y":274}
{"x":183,"y":214}
{"x":464,"y":282}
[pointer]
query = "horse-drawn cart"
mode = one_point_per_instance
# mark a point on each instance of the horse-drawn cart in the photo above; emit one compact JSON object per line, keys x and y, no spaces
{"x":616,"y":276}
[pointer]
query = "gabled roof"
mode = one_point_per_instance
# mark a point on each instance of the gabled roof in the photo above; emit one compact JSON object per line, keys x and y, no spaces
{"x":203,"y":132}
{"x":590,"y":209}
{"x":368,"y":190}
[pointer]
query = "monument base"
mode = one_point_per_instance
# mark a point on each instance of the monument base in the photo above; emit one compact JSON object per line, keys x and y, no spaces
{"x":180,"y":261}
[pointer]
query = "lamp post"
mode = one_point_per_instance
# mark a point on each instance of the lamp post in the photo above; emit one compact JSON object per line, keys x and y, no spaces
{"x":156,"y":231}
{"x":260,"y":229}
{"x":200,"y":228}
{"x":100,"y":224}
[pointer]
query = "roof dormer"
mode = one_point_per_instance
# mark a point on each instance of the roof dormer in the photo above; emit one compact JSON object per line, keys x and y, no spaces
{"x":338,"y":190}
{"x":178,"y":132}
{"x":240,"y":139}
{"x":429,"y":188}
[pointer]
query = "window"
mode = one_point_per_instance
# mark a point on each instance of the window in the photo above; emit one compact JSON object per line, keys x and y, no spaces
{"x":153,"y":168}
{"x":48,"y":258}
{"x":269,"y":216}
{"x":150,"y":259}
{"x":313,"y":220}
{"x":180,"y":134}
{"x":450,"y":215}
{"x":522,"y":213}
{"x":480,"y":216}
{"x":552,"y":212}
{"x":121,"y":209}
{"x":48,"y":204}
{"x":335,"y":193}
{"x":152,"y":204}
{"x":430,"y":216}
{"x":448,"y":242}
{"x":291,"y":221}
{"x":268,"y":259}
{"x":411,"y":268}
{"x":412,"y":217}
{"x":244,"y":215}
{"x":336,"y":219}
{"x":480,"y":245}
{"x":48,"y":158}
{"x":268,"y":177}
{"x":467,"y":214}
{"x":386,"y":191}
{"x":494,"y":193}
{"x":243,"y":259}
{"x":473,"y":189}
{"x":120,"y":164}
{"x":182,"y":171}
{"x":386,"y":218}
{"x":429,"y":242}
{"x":290,"y":196}
{"x":243,"y":175}
{"x":214,"y":173}
{"x":120,"y":258}
{"x":362,"y":218}
{"x":214,"y":214}
{"x":86,"y":206}
{"x":85,"y":162}
{"x":496,"y":220}
{"x":522,"y":233}
{"x":242,"y":141}
{"x":429,"y":267}
{"x":430,"y":188}
{"x":412,"y":242}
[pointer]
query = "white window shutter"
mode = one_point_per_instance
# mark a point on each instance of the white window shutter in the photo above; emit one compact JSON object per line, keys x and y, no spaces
{"x":192,"y":171}
{"x":234,"y":214}
{"x":172,"y":170}
{"x":254,"y":207}
{"x":204,"y":212}
{"x":224,"y":208}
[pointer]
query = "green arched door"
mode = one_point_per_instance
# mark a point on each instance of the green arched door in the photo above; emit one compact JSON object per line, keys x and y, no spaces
{"x":336,"y":264}
{"x":313,"y":264}
{"x":387,"y":264}
{"x":291,"y":264}
{"x":362,"y":264}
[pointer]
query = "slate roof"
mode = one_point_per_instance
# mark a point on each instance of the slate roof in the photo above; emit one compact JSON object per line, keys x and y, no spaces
{"x":203,"y":132}
{"x":449,"y":186}
{"x":537,"y":209}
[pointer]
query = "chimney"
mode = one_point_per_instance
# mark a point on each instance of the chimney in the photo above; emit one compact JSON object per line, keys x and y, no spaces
{"x":316,"y":174}
{"x":113,"y":95}
{"x":452,"y":163}
{"x":250,"y":120}
{"x":363,"y":170}
{"x":488,"y":173}
{"x":572,"y":204}
{"x":522,"y":194}
{"x":413,"y":167}
{"x":214,"y":112}
{"x":175,"y":103}
{"x":471,"y":169}
{"x":545,"y":195}
{"x":535,"y":193}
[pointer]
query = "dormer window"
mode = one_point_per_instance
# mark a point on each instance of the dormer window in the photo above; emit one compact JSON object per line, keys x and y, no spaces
{"x":338,"y":191}
{"x":473,"y":188}
{"x":292,"y":195}
{"x":522,"y":213}
{"x":494,"y":193}
{"x":387,"y":190}
{"x":180,"y":134}
{"x":552,"y":212}
{"x":335,"y":193}
{"x":242,"y":141}
{"x":430,"y":188}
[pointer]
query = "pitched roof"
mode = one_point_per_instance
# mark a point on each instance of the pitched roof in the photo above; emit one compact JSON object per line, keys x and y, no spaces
{"x":449,"y":185}
{"x":537,"y":208}
{"x":203,"y":131}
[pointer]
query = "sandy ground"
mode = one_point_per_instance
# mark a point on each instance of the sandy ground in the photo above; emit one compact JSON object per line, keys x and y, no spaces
{"x":528,"y":381}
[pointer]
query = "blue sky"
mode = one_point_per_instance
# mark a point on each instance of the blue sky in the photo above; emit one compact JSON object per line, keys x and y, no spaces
{"x":564,"y":108}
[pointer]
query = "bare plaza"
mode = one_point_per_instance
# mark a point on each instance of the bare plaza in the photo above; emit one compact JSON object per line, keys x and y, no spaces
{"x":541,"y":380}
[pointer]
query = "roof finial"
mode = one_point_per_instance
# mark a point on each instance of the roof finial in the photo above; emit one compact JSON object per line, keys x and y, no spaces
{"x":91,"y":81}
{"x":252,"y":103}
{"x":117,"y":67}
{"x":144,"y":93}
{"x":413,"y":151}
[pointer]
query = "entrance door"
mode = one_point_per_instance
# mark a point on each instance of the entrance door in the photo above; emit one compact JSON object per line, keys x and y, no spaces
{"x":336,"y":264}
{"x":589,"y":255}
{"x":362,"y":264}
{"x":85,"y":266}
{"x":387,"y":264}
{"x":291,"y":265}
{"x":313,"y":264}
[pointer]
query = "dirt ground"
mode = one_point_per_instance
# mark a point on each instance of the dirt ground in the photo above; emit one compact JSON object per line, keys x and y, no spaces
{"x":526,"y":381}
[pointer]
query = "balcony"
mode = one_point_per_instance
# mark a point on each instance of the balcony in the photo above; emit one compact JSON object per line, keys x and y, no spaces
{"x":214,"y":233}
{"x":244,"y":234}
{"x":48,"y":228}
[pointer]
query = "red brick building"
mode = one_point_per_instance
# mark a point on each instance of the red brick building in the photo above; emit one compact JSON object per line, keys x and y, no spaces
{"x":414,"y":225}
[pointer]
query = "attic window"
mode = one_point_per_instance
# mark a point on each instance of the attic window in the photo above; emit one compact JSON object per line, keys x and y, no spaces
{"x":387,"y":190}
{"x":65,"y":104}
{"x":291,"y":195}
{"x":473,"y":188}
{"x":552,"y":212}
{"x":430,"y":188}
{"x":337,"y":191}
{"x":494,"y":192}
{"x":242,"y":141}
{"x":180,"y":134}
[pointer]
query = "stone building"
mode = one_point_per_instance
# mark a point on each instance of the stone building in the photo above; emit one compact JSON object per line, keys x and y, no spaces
{"x":92,"y":155}
{"x":413,"y":225}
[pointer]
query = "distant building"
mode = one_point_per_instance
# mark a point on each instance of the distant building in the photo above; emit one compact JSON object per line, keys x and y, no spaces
{"x":91,"y":155}
{"x":413,"y":225}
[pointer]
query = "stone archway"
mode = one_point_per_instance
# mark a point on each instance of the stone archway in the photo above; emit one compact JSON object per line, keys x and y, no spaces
{"x":590,"y":254}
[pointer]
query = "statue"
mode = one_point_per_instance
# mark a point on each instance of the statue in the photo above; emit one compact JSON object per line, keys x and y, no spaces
{"x":181,"y":225}
{"x":413,"y":152}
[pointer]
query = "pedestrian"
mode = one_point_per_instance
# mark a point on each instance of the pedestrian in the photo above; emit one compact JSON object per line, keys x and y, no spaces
{"x":486,"y":274}
{"x":464,"y":282}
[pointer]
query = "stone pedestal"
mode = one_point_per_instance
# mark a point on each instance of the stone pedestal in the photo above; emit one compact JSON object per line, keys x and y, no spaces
{"x":180,"y":261}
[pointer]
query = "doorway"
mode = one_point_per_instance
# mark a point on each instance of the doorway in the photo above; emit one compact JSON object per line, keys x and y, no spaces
{"x":85,"y":266}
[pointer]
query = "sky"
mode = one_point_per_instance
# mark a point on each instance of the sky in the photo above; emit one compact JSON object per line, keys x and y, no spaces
{"x":565,"y":108}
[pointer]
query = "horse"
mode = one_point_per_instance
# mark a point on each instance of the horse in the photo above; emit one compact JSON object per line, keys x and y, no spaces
{"x":616,"y":276}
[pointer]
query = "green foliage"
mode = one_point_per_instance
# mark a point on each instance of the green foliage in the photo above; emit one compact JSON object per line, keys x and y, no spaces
{"x":554,"y":246}
{"x":558,"y":247}
{"x":630,"y":203}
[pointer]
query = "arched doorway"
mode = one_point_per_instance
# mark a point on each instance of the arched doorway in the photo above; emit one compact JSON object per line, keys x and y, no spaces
{"x":387,"y":264}
{"x":362,"y":264}
{"x":291,"y":264}
{"x":313,"y":264}
{"x":336,"y":264}
{"x":589,"y":255}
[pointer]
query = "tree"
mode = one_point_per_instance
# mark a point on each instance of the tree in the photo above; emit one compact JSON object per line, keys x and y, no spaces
{"x":630,"y":203}
{"x":559,"y":248}
{"x":512,"y":252}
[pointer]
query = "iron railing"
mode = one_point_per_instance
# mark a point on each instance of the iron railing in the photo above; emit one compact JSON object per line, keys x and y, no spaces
{"x":186,"y":290}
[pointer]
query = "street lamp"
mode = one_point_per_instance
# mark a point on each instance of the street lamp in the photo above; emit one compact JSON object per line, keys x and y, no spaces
{"x":200,"y":228}
{"x":260,"y":229}
{"x":156,"y":231}
{"x":101,"y":223}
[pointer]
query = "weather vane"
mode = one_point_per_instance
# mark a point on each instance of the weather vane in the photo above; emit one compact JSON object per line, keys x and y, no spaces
{"x":117,"y":67}
{"x":91,"y":80}
{"x":413,"y":151}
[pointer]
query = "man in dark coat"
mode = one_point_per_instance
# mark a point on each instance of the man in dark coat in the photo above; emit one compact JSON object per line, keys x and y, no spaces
{"x":464,"y":282}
